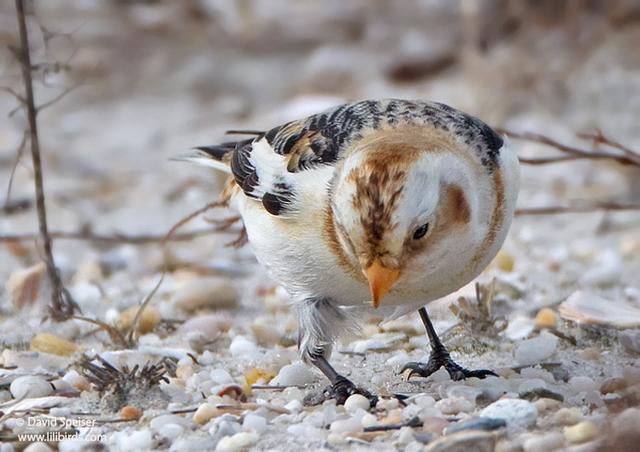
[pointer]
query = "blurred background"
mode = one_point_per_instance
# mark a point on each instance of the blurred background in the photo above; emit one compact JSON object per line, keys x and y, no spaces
{"x":136,"y":82}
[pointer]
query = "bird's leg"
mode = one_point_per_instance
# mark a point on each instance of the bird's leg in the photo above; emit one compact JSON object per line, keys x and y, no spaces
{"x":440,"y":357}
{"x":341,"y":387}
{"x":320,"y":323}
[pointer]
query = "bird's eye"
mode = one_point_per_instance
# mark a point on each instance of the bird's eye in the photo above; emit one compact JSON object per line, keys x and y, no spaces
{"x":421,"y":231}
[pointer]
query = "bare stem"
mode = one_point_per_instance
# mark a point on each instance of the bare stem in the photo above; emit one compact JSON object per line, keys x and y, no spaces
{"x":62,"y":305}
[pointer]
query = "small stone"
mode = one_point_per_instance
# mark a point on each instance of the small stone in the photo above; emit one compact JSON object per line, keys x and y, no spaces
{"x":541,"y":393}
{"x":264,"y":332}
{"x":546,"y":318}
{"x":519,"y":414}
{"x":630,"y":341}
{"x":255,"y":375}
{"x":581,"y":432}
{"x":465,"y":441}
{"x":76,"y":380}
{"x":205,"y":412}
{"x":455,"y":405}
{"x":206,"y":293}
{"x":38,"y":447}
{"x":159,"y":423}
{"x":567,"y":416}
{"x":627,"y":422}
{"x":29,"y":387}
{"x":345,"y":426}
{"x":591,"y":354}
{"x":296,"y":374}
{"x":368,"y":420}
{"x":241,"y":346}
{"x":171,"y":431}
{"x":48,"y":343}
{"x":149,"y":319}
{"x":476,"y":423}
{"x":533,"y":351}
{"x":355,"y":402}
{"x":253,"y":422}
{"x":545,"y":405}
{"x":544,"y":443}
{"x":432,"y":424}
{"x":24,"y":285}
{"x":134,"y":441}
{"x":504,"y":261}
{"x":130,"y":413}
{"x":580,"y":384}
{"x":208,"y":325}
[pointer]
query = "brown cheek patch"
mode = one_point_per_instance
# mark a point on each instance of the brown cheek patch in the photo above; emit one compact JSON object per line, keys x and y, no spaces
{"x":453,"y":212}
{"x":331,"y":237}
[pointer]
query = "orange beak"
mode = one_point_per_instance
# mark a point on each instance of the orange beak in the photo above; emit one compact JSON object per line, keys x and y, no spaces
{"x":381,"y":279}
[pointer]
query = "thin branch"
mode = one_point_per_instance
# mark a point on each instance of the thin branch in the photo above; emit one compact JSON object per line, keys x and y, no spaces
{"x":551,"y":210}
{"x":56,"y":98}
{"x":19,"y":153}
{"x":628,"y":157}
{"x":141,"y":239}
{"x":62,"y":305}
{"x":131,"y":338}
{"x":191,"y":216}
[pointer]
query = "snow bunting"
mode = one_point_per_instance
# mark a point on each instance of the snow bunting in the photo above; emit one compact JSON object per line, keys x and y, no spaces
{"x":385,"y":204}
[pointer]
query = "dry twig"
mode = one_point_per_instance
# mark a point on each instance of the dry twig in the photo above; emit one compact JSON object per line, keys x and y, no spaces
{"x":62,"y":304}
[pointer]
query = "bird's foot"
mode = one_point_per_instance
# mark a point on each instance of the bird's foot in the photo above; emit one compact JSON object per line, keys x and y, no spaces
{"x":440,"y":358}
{"x":340,"y":391}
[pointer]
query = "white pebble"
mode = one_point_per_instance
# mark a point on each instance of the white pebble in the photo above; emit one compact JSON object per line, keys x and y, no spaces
{"x":531,"y":384}
{"x":158,"y":423}
{"x":536,"y":350}
{"x":30,"y":387}
{"x":38,"y":447}
{"x":519,"y":414}
{"x":221,"y":377}
{"x":204,"y":413}
{"x":296,"y":374}
{"x":345,"y":426}
{"x":237,"y":442}
{"x":356,"y":401}
{"x":129,"y":441}
{"x":368,"y":420}
{"x":294,"y":406}
{"x":581,"y":432}
{"x":208,"y":293}
{"x":544,"y":443}
{"x":171,"y":431}
{"x":583,"y":384}
{"x":253,"y":422}
{"x":454,"y":405}
{"x":241,"y":346}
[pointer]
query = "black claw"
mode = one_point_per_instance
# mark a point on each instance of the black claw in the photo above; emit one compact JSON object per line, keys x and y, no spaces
{"x":440,"y":359}
{"x":340,"y":392}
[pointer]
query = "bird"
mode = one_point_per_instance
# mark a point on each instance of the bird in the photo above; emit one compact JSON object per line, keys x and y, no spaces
{"x":371,"y":206}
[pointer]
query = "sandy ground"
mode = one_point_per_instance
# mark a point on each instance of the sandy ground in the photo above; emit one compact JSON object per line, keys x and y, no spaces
{"x":154,"y":79}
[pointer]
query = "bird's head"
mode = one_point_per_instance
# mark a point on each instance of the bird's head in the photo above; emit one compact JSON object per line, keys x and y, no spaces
{"x":401,"y":210}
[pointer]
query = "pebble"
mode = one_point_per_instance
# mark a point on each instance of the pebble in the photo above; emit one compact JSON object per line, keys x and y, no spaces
{"x":544,"y":443}
{"x":49,"y":343}
{"x":76,"y":380}
{"x":209,"y":325}
{"x":241,"y":346}
{"x":580,"y":384}
{"x":455,"y":405}
{"x":628,"y":421}
{"x":476,"y":423}
{"x":368,"y":420}
{"x":130,"y":441}
{"x":130,"y":413}
{"x":158,"y":423}
{"x":149,"y":319}
{"x":519,"y":414}
{"x":546,"y":318}
{"x":348,"y":425}
{"x":239,"y":441}
{"x":355,"y":402}
{"x":544,"y":405}
{"x":520,"y":327}
{"x":38,"y":447}
{"x":532,"y":384}
{"x":475,"y":441}
{"x":433,"y":424}
{"x":541,"y":393}
{"x":582,"y":432}
{"x":253,"y":422}
{"x":204,"y":413}
{"x":504,"y":261}
{"x":206,"y":293}
{"x":296,"y":374}
{"x":171,"y":431}
{"x":591,"y":354}
{"x":567,"y":416}
{"x":538,"y":349}
{"x":630,"y":341}
{"x":30,"y":386}
{"x":264,"y":332}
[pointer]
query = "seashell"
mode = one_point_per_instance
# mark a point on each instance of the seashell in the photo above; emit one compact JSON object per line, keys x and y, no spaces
{"x":584,"y":307}
{"x":49,"y":343}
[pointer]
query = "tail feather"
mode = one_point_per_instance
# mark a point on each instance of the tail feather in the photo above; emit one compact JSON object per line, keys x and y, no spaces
{"x":215,"y":156}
